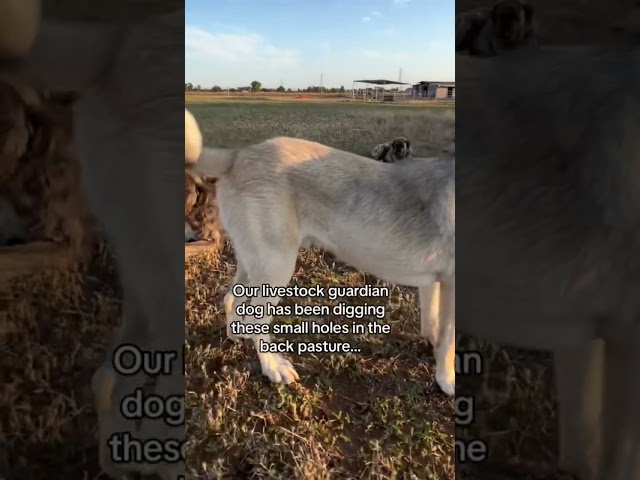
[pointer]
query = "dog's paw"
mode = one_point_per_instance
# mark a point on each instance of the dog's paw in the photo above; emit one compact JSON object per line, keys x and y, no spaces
{"x":123,"y":439}
{"x":278,"y":369}
{"x":446,"y":384}
{"x":379,"y":151}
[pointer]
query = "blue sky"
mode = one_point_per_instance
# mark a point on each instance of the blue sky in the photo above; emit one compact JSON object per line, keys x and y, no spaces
{"x":233,"y":42}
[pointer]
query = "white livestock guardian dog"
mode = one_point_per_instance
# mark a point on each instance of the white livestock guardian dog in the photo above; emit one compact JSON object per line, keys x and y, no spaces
{"x":395,"y":221}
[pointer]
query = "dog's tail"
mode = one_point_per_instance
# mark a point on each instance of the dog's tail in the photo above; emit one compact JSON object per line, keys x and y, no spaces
{"x":70,"y":57}
{"x":202,"y":161}
{"x":213,"y":162}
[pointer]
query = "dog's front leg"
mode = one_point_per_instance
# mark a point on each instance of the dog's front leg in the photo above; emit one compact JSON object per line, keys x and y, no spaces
{"x":445,"y":346}
{"x":621,"y":439}
{"x":599,"y":418}
{"x":579,"y":373}
{"x":133,"y":178}
{"x":274,"y":269}
{"x":275,"y":367}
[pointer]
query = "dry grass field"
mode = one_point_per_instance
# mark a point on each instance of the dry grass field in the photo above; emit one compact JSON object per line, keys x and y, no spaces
{"x":304,"y":98}
{"x":372,"y":415}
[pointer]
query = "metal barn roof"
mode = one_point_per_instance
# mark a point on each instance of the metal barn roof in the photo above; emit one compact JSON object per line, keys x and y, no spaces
{"x":381,"y":82}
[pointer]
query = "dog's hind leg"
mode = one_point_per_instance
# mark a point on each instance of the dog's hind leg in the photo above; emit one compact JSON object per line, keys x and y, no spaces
{"x":430,"y":312}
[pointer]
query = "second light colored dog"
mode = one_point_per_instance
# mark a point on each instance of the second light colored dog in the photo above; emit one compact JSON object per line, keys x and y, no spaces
{"x":395,"y":221}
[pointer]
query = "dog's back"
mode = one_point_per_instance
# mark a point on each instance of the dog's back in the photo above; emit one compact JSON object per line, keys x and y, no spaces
{"x":342,"y":200}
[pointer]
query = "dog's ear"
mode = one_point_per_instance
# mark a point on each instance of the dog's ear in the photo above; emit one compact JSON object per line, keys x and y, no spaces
{"x":513,"y":17}
{"x":397,"y":145}
{"x":505,"y":13}
{"x":468,"y":25}
{"x":495,"y":12}
{"x":380,"y":151}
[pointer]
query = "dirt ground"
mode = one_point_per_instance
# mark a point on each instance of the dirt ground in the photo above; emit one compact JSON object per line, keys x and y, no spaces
{"x":52,"y":332}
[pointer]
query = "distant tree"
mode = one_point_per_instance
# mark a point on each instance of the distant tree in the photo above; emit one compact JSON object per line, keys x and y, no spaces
{"x":288,"y":89}
{"x":188,"y":87}
{"x":216,"y":88}
{"x":256,"y":86}
{"x":198,"y":87}
{"x":342,"y":89}
{"x":280,"y":89}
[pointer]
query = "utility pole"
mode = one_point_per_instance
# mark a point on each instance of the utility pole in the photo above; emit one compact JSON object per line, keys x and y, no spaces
{"x":400,"y":76}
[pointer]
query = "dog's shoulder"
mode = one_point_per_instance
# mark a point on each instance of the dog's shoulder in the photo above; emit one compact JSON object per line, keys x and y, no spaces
{"x":294,"y":150}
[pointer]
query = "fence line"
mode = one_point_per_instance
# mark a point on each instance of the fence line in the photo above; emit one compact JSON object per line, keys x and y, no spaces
{"x":379,"y":95}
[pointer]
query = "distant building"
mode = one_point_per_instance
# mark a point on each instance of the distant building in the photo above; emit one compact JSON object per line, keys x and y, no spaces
{"x":436,"y":90}
{"x":376,"y":90}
